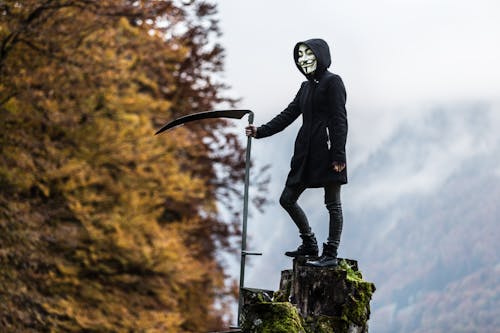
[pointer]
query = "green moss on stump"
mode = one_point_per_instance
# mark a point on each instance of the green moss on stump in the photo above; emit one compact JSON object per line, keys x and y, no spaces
{"x":357,"y":307}
{"x":272,"y":317}
{"x":352,"y":273}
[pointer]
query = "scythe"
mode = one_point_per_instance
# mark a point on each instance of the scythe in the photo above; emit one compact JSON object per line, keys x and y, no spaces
{"x":235,"y":114}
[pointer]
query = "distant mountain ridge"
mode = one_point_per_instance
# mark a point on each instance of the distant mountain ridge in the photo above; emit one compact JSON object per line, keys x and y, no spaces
{"x":446,"y":264}
{"x":437,"y":264}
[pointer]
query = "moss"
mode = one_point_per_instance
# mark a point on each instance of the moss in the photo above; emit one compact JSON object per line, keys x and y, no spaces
{"x":273,"y":317}
{"x":260,"y":298}
{"x":357,"y":308}
{"x":352,"y":275}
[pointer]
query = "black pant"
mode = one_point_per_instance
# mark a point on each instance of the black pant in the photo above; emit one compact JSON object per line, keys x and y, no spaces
{"x":288,"y":201}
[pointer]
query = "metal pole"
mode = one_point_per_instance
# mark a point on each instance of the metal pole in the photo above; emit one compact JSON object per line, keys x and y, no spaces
{"x":245,"y":216}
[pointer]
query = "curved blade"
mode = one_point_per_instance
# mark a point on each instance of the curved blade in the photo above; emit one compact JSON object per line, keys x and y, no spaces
{"x":236,"y":114}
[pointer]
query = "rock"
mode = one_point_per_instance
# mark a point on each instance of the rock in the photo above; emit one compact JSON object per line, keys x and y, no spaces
{"x":311,"y":300}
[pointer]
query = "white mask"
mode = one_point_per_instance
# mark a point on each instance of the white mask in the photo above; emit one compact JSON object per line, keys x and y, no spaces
{"x":307,"y":59}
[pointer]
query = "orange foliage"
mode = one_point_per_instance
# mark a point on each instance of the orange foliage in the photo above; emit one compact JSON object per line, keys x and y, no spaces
{"x":104,"y":227}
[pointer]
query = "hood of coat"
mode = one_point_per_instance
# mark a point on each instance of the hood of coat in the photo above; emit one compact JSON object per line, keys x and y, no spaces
{"x":321,"y":52}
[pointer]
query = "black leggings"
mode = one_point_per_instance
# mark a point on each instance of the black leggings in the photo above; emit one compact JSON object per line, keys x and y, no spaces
{"x":288,"y":201}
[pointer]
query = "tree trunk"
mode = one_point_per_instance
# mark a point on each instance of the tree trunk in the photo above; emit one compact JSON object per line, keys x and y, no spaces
{"x":311,"y":300}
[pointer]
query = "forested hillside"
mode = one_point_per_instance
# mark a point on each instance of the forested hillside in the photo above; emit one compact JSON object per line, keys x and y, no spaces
{"x":103,"y":226}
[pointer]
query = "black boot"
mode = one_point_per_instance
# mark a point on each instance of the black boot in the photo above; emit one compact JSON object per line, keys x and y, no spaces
{"x":327,"y":259}
{"x":309,"y":247}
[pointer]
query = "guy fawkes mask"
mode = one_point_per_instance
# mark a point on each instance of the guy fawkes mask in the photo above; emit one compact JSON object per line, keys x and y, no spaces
{"x":307,"y":59}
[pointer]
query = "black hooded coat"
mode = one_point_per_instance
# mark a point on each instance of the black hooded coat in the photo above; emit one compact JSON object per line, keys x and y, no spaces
{"x":321,"y":139}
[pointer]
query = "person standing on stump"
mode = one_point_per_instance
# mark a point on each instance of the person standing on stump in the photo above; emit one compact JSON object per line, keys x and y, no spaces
{"x":319,"y":158}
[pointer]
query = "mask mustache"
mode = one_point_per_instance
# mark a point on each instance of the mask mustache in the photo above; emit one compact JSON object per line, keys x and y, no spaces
{"x":306,"y":62}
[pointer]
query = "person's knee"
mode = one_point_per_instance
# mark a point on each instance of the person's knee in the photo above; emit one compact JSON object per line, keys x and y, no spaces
{"x":333,"y":206}
{"x":286,"y":201}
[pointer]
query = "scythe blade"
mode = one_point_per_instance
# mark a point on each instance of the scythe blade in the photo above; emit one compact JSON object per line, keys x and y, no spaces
{"x":235,"y":114}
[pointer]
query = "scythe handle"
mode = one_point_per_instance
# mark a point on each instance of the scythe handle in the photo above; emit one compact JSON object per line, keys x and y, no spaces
{"x":245,"y":217}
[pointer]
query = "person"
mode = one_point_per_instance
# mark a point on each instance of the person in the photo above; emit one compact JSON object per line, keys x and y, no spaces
{"x":319,"y":158}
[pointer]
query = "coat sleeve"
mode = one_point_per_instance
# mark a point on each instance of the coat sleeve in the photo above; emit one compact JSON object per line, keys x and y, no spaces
{"x":282,"y":120}
{"x":338,"y":119}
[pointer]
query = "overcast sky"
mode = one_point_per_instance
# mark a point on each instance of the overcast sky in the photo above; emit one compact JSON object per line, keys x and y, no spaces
{"x":401,"y":60}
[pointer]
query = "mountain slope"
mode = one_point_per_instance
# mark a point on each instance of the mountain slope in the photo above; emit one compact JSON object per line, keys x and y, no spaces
{"x":432,"y":247}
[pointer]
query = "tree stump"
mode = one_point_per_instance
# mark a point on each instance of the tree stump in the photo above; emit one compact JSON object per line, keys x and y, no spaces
{"x":311,"y":300}
{"x":337,"y":297}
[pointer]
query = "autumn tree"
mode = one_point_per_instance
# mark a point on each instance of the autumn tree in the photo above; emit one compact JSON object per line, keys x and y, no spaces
{"x":104,"y":227}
